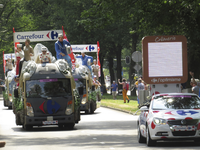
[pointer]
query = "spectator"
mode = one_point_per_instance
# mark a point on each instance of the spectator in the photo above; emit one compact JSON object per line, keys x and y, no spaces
{"x":9,"y":65}
{"x":114,"y":88}
{"x":195,"y":88}
{"x":60,"y":47}
{"x":124,"y":92}
{"x":140,"y":87}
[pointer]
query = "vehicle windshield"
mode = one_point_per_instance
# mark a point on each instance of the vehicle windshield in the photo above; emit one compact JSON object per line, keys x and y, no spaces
{"x":176,"y":102}
{"x":48,"y":88}
{"x":81,"y":83}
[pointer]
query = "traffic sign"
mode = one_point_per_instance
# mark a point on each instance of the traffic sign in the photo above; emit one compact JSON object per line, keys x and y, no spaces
{"x":137,"y":56}
{"x":137,"y":67}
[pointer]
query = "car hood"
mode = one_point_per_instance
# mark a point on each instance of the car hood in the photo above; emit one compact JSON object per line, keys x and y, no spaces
{"x":176,"y":114}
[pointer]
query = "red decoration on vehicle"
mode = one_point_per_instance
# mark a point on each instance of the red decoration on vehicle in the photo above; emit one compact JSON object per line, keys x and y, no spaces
{"x":42,"y":107}
{"x":188,"y":118}
{"x":198,"y":128}
{"x":171,"y":119}
{"x":153,"y":125}
{"x":155,"y":111}
{"x":169,"y":113}
{"x":163,"y":137}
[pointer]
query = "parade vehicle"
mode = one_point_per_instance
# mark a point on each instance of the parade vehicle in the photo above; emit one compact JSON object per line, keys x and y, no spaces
{"x":47,"y":95}
{"x":8,"y":90}
{"x":83,"y":79}
{"x":170,"y":116}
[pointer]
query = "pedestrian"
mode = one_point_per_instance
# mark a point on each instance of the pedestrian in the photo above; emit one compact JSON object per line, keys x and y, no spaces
{"x":9,"y":65}
{"x":124,"y":92}
{"x":193,"y":83}
{"x":44,"y":56}
{"x":95,"y":69}
{"x":60,"y":47}
{"x":28,"y":52}
{"x":19,"y":56}
{"x":140,"y":87}
{"x":114,"y":88}
{"x":85,"y":59}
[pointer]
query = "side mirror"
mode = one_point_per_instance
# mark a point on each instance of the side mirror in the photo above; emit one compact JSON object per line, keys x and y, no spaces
{"x":80,"y":90}
{"x":144,"y":108}
{"x":16,"y":93}
{"x":89,"y":62}
{"x":68,"y":49}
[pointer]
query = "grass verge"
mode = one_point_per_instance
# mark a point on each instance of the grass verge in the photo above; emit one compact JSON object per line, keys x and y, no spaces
{"x":130,"y":107}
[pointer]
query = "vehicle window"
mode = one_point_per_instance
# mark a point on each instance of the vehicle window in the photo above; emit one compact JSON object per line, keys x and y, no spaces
{"x":176,"y":102}
{"x":81,"y":83}
{"x":48,"y":88}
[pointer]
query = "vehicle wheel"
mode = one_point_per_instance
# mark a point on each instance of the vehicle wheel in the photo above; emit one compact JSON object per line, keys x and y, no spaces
{"x":28,"y":127}
{"x":17,"y":119}
{"x":87,"y":111}
{"x":9,"y":107}
{"x":149,"y":141}
{"x":91,"y":108}
{"x":69,"y":126}
{"x":141,"y":139}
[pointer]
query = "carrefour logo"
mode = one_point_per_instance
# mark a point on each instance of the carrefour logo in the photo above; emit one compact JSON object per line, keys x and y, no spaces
{"x":90,"y":48}
{"x":49,"y":107}
{"x":32,"y":36}
{"x":52,"y":35}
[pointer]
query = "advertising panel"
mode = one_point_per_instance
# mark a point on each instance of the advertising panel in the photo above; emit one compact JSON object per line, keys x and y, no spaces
{"x":165,"y":59}
{"x":84,"y":48}
{"x":35,"y":36}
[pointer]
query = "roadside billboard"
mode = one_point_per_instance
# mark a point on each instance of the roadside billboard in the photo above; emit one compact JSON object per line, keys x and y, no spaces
{"x":165,"y":59}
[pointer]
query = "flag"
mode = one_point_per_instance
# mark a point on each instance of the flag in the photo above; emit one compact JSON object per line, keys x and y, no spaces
{"x":72,"y":54}
{"x":98,"y":61}
{"x":4,"y":63}
{"x":17,"y":59}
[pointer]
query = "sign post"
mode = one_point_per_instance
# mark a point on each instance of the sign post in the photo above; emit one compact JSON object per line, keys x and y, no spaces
{"x":137,"y":57}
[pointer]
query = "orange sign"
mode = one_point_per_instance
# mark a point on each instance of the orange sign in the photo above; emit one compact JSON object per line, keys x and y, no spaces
{"x":165,"y":59}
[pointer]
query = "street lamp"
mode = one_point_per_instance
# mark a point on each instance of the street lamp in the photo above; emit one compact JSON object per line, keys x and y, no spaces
{"x":1,"y":5}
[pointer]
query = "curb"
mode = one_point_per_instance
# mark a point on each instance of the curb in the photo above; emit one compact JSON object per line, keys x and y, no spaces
{"x":119,"y":110}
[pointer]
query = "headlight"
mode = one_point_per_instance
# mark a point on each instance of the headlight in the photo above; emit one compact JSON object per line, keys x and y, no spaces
{"x":83,"y":100}
{"x":69,"y":109}
{"x":159,"y":121}
{"x":29,"y":110}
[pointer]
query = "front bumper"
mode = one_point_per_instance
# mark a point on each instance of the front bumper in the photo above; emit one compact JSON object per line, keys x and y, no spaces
{"x":38,"y":121}
{"x":85,"y":106}
{"x":163,"y":132}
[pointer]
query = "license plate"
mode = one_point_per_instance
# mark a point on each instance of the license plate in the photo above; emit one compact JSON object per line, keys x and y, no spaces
{"x":50,"y":122}
{"x":184,"y":128}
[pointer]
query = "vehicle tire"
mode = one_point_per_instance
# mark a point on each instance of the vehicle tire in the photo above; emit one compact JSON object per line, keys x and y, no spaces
{"x":17,"y":119}
{"x":91,"y":108}
{"x":4,"y":103}
{"x":149,"y":141}
{"x":28,"y":127}
{"x":9,"y":107}
{"x":69,"y":126}
{"x":141,"y":139}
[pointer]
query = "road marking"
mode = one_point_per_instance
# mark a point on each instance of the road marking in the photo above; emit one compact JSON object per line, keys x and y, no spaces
{"x":102,"y":142}
{"x":94,"y":138}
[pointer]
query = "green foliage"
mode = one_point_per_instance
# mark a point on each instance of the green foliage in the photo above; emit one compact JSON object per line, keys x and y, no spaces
{"x":92,"y":95}
{"x":5,"y":95}
{"x":18,"y":103}
{"x":77,"y":100}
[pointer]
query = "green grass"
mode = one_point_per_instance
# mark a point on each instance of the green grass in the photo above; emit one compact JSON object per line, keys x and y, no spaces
{"x":131,"y":107}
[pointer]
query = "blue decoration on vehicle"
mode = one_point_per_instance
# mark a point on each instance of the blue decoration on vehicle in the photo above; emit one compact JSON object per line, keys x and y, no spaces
{"x":52,"y":108}
{"x":183,"y":113}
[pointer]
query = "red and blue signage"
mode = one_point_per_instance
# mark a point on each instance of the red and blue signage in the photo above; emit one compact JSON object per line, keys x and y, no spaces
{"x":51,"y":107}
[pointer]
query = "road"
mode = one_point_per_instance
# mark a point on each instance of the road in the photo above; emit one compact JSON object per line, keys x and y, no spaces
{"x":105,"y":130}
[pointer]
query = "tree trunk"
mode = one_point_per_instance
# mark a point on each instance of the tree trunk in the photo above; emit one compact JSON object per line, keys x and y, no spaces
{"x":132,"y":70}
{"x":119,"y":66}
{"x":110,"y":65}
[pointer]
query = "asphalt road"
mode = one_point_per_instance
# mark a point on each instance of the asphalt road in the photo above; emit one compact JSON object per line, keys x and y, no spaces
{"x":106,"y":129}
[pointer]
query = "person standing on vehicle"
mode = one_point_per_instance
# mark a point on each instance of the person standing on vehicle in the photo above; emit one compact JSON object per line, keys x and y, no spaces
{"x":44,"y":56}
{"x":9,"y":65}
{"x":95,"y":69}
{"x":114,"y":88}
{"x":28,"y":52}
{"x":60,"y":47}
{"x":124,"y":92}
{"x":97,"y":85}
{"x":19,"y":56}
{"x":140,"y":87}
{"x":85,"y":59}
